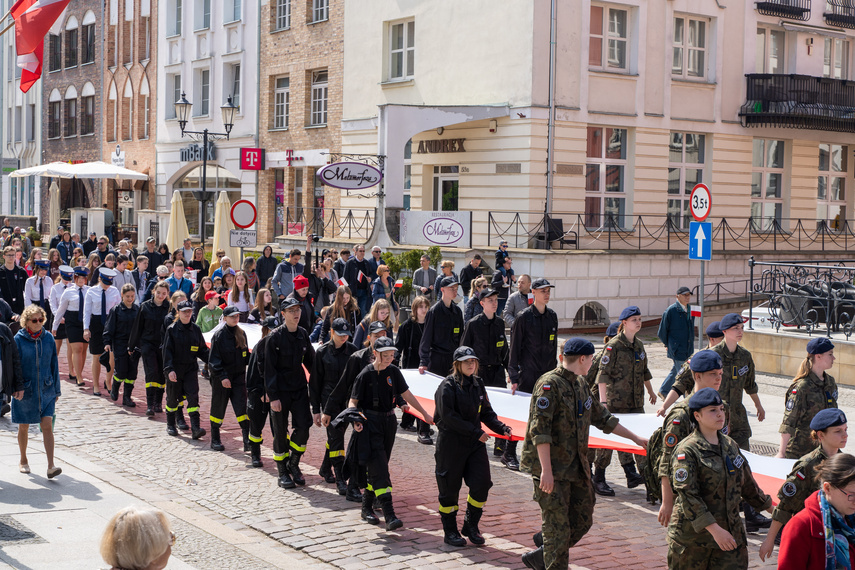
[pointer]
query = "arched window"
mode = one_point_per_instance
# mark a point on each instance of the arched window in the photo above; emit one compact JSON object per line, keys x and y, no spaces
{"x":88,"y":38}
{"x":72,"y":42}
{"x":87,"y":109}
{"x":144,"y":110}
{"x":128,"y":111}
{"x":112,"y":103}
{"x":70,"y":103}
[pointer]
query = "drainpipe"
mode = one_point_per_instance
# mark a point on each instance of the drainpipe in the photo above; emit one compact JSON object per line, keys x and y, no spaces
{"x":550,"y":138}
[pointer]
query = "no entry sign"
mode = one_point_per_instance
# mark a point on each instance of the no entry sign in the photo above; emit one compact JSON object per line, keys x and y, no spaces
{"x":243,"y":213}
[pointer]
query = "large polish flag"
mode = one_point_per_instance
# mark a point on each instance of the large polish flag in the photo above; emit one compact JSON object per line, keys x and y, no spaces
{"x":33,"y":19}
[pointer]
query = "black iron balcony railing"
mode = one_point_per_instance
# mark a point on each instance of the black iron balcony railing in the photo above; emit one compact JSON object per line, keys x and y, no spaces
{"x":840,"y":13}
{"x":792,"y":9}
{"x":799,"y":102}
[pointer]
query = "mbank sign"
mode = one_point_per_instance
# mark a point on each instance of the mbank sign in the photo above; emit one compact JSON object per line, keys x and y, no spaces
{"x":350,"y":175}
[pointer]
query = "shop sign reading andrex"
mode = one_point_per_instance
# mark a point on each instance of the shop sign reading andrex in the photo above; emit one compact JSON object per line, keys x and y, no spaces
{"x":350,"y":175}
{"x":453,"y":229}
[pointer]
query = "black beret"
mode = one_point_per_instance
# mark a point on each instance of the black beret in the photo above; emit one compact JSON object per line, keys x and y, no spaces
{"x":827,"y":418}
{"x":703,"y":398}
{"x":578,"y":346}
{"x":714,"y":330}
{"x":819,"y":345}
{"x":705,"y":360}
{"x":630,"y":311}
{"x":612,"y":330}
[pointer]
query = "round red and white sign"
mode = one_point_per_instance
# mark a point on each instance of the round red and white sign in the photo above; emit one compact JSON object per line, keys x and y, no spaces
{"x":700,"y":202}
{"x":243,"y":213}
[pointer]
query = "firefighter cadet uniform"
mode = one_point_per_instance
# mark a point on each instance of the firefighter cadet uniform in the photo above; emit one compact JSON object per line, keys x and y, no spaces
{"x":257,"y":402}
{"x":805,"y":398}
{"x":146,"y":336}
{"x":284,"y":356}
{"x":461,"y":406}
{"x":487,"y":338}
{"x":330,"y":363}
{"x":227,"y":361}
{"x":710,"y":482}
{"x":560,"y":414}
{"x":534,"y":352}
{"x":117,"y":333}
{"x":183,"y":345}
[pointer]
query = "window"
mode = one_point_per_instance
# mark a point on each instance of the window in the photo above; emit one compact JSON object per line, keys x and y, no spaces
{"x":402,"y":50}
{"x":71,"y":48}
{"x":55,"y":52}
{"x":836,"y":59}
{"x":144,"y":42}
{"x":18,"y":120}
{"x":319,"y":98}
{"x":203,"y":90}
{"x":609,"y":40}
{"x":113,"y":46}
{"x":235,"y":91}
{"x":283,"y":15}
{"x":70,"y":124}
{"x":88,"y":43}
{"x":605,"y":175}
{"x":281,"y":103}
{"x":145,"y":111}
{"x":831,"y":186}
{"x":87,"y":126}
{"x":320,"y":10}
{"x":112,"y":125}
{"x":408,"y":172}
{"x":32,"y":123}
{"x":54,"y":114}
{"x":685,"y":169}
{"x":231,"y":11}
{"x":203,"y":14}
{"x":176,"y":11}
{"x":173,"y":91}
{"x":689,"y":51}
{"x":769,"y":51}
{"x":767,"y":181}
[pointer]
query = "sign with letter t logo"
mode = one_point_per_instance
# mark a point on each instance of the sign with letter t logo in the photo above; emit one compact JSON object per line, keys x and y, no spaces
{"x":252,"y":159}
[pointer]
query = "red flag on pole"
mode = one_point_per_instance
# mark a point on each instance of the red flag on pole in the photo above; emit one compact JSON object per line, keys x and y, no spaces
{"x":33,"y":19}
{"x":32,"y":72}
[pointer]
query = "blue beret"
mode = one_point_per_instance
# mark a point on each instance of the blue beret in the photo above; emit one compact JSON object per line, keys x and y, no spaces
{"x":630,"y":311}
{"x":730,"y":320}
{"x":612,"y":330}
{"x":819,"y":345}
{"x":703,"y":398}
{"x":81,"y":271}
{"x":578,"y":346}
{"x":705,"y":360}
{"x":714,"y":330}
{"x":827,"y":418}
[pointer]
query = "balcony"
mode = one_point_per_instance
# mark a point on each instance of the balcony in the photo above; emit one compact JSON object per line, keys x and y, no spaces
{"x":791,"y":9}
{"x":841,"y":13}
{"x":799,"y":102}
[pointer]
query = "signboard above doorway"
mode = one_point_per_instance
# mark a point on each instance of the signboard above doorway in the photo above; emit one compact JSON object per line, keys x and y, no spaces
{"x":451,"y":229}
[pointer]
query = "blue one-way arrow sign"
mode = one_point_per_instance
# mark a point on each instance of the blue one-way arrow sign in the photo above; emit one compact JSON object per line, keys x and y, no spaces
{"x":700,"y":241}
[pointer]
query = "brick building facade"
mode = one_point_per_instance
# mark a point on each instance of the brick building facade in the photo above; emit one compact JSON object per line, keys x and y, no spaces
{"x":300,"y":97}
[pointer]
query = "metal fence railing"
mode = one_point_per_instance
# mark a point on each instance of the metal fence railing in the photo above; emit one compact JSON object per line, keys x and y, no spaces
{"x":348,"y":224}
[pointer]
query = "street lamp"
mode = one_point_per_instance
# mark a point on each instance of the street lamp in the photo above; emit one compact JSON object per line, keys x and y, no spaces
{"x":182,"y":113}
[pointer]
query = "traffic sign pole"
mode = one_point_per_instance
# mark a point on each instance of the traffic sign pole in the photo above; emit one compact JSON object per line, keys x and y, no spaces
{"x":700,"y":202}
{"x":701,"y":303}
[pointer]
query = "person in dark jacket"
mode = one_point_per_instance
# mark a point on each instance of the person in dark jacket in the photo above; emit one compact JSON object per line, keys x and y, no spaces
{"x":343,"y":307}
{"x":285,"y":354}
{"x":502,"y":281}
{"x":303,"y":296}
{"x":320,"y":286}
{"x":443,"y":330}
{"x":470,"y":272}
{"x":356,"y":275}
{"x":407,"y":342}
{"x":10,"y":362}
{"x":330,"y":362}
{"x":91,"y":244}
{"x":257,"y":401}
{"x":501,"y":253}
{"x":462,"y":405}
{"x":227,"y":362}
{"x":117,"y":333}
{"x":265,"y":266}
{"x":12,"y":281}
{"x":146,"y":337}
{"x":383,"y":287}
{"x":677,"y":333}
{"x":183,"y":345}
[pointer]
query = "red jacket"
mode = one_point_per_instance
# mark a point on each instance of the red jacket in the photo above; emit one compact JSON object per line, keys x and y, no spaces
{"x":803,"y":541}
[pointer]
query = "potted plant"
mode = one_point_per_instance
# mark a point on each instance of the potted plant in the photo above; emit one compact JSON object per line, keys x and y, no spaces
{"x":35,"y":237}
{"x":401,"y":266}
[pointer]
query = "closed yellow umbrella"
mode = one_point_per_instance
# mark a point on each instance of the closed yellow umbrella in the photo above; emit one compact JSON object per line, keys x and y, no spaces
{"x":177,"y":224}
{"x":222,"y":225}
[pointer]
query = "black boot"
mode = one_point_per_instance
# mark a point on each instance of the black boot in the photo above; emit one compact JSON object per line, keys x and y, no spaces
{"x":534,"y":559}
{"x":244,"y":430}
{"x":392,"y":522}
{"x":325,"y":470}
{"x":449,"y":527}
{"x":179,"y":419}
{"x":499,"y":447}
{"x":470,"y":525}
{"x":367,"y":513}
{"x":157,"y":399}
{"x":600,"y":486}
{"x":509,"y":457}
{"x":285,"y":480}
{"x":149,"y":402}
{"x":170,"y":424}
{"x":353,"y":495}
{"x":340,"y":483}
{"x":754,"y":521}
{"x":126,"y":395}
{"x":114,"y":389}
{"x":294,"y":468}
{"x":216,"y":444}
{"x":633,"y":477}
{"x":196,"y":431}
{"x":255,"y":454}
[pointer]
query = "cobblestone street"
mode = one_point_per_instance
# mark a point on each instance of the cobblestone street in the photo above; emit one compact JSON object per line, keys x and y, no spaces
{"x":314,"y":525}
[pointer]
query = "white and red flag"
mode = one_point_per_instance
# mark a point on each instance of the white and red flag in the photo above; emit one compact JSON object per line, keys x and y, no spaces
{"x":33,"y":19}
{"x":341,"y":282}
{"x":361,"y":277}
{"x":399,"y":283}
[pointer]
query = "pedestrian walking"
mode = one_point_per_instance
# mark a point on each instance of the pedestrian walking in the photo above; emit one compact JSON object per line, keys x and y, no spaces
{"x":209,"y":315}
{"x":12,"y":281}
{"x":146,"y":336}
{"x":677,"y":333}
{"x":66,"y":274}
{"x":99,"y":301}
{"x":137,"y":539}
{"x":380,"y":311}
{"x":183,"y":346}
{"x":407,"y":343}
{"x":117,"y":333}
{"x":257,"y":401}
{"x":356,"y":276}
{"x":70,"y":313}
{"x":227,"y":361}
{"x":241,"y":296}
{"x":344,"y":306}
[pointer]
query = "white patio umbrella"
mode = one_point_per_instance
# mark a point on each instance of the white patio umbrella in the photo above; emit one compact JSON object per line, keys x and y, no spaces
{"x":222,"y":225}
{"x":177,"y":223}
{"x":95,"y":169}
{"x":53,"y":206}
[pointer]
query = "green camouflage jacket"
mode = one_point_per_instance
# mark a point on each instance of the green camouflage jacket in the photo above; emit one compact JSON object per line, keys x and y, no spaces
{"x":623,"y":369}
{"x":800,"y":485}
{"x":677,"y":427}
{"x":804,"y":398}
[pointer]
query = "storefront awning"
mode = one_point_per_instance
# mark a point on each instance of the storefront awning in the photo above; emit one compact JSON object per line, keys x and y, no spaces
{"x":95,"y":169}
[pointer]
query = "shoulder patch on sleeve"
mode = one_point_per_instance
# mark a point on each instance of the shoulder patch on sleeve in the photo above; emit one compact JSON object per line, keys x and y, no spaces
{"x":681,"y":456}
{"x":681,"y":475}
{"x":791,"y":402}
{"x":800,"y":475}
{"x":546,"y":387}
{"x":742,"y":371}
{"x":795,"y":390}
{"x":725,"y":430}
{"x":738,"y":461}
{"x":609,"y":348}
{"x":542,"y":403}
{"x":789,"y":489}
{"x":605,"y":359}
{"x":676,"y":422}
{"x":670,"y":440}
{"x":588,"y":403}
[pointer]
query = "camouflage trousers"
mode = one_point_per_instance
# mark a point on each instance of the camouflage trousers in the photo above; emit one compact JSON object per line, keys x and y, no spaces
{"x":567,"y":515}
{"x":682,"y":557}
{"x":603,"y":457}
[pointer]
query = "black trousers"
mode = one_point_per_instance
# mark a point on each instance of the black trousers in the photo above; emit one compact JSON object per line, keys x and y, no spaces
{"x":529,"y":379}
{"x":458,"y":461}
{"x":381,"y":433}
{"x":258,"y":411}
{"x":493,"y":375}
{"x":126,"y":368}
{"x":220,"y":398}
{"x":152,"y":360}
{"x":295,"y":403}
{"x":335,"y":444}
{"x":187,"y":386}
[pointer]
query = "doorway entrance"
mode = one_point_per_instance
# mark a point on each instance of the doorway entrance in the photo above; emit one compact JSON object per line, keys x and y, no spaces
{"x":445,"y":188}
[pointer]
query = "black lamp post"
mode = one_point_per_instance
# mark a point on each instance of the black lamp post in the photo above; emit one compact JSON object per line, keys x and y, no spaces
{"x":182,"y":112}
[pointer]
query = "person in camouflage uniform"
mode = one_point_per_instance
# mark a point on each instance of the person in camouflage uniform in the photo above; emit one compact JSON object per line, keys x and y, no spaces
{"x":812,"y":390}
{"x":684,"y":383}
{"x":555,"y":453}
{"x":591,"y":381}
{"x":711,"y":478}
{"x":622,"y":378}
{"x":829,"y":431}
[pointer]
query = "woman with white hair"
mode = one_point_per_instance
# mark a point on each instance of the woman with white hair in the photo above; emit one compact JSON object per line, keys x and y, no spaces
{"x":137,"y":539}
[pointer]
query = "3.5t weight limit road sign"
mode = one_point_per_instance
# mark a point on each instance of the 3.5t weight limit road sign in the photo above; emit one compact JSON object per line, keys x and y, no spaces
{"x":700,"y":202}
{"x":700,"y":241}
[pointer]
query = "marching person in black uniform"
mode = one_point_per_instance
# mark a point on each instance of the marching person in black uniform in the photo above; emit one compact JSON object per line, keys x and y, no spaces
{"x":182,"y":346}
{"x":330,"y":362}
{"x":375,"y":391}
{"x":534,"y":350}
{"x":407,"y":342}
{"x":443,"y":330}
{"x":99,"y":301}
{"x":461,"y":405}
{"x":258,"y":404}
{"x":117,"y":332}
{"x":288,"y":349}
{"x":227,"y":362}
{"x":146,"y":336}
